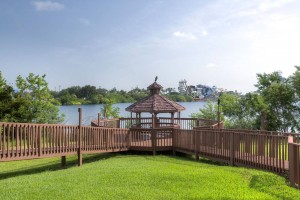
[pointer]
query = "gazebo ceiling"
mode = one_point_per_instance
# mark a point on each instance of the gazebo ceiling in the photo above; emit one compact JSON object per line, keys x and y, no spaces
{"x":155,"y":103}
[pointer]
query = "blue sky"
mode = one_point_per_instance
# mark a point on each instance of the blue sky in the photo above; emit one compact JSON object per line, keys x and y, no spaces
{"x":126,"y":43}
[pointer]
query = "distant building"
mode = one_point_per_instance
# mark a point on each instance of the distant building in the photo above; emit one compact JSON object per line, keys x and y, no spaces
{"x":198,"y":92}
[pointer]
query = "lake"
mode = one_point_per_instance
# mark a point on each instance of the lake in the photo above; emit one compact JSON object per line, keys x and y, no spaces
{"x":90,"y":112}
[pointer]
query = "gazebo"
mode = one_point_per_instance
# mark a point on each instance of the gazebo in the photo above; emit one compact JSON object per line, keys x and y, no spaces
{"x":155,"y":104}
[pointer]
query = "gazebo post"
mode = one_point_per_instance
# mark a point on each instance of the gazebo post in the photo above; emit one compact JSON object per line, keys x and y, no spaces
{"x":179,"y":119}
{"x":130,"y":119}
{"x":153,"y":134}
{"x":140,"y":121}
{"x":172,"y":118}
{"x":153,"y":121}
{"x":156,"y":124}
{"x":136,"y":120}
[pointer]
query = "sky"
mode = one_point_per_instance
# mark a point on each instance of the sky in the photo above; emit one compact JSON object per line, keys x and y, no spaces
{"x":126,"y":43}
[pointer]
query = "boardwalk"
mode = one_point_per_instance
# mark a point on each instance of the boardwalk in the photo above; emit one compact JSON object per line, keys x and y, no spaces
{"x":275,"y":152}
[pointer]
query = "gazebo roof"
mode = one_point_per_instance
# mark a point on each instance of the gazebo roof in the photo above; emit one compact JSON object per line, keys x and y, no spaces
{"x":155,"y":103}
{"x":154,"y":86}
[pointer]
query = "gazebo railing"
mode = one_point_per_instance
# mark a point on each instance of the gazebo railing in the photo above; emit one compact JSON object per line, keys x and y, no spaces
{"x":156,"y":139}
{"x":131,"y":122}
{"x":183,"y":123}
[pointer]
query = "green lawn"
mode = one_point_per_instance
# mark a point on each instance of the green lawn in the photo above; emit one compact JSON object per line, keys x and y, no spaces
{"x":117,"y":176}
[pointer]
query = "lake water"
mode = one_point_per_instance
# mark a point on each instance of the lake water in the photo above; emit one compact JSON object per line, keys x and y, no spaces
{"x":90,"y":112}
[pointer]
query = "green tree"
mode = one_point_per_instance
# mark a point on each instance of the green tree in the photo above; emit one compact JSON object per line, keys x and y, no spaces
{"x":238,"y":112}
{"x":108,"y":111}
{"x":35,"y":100}
{"x":279,"y":95}
{"x":6,"y":102}
{"x":209,"y":111}
{"x":295,"y":81}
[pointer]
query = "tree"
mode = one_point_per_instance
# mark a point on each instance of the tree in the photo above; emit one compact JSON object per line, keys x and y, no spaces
{"x":108,"y":111}
{"x":238,"y":112}
{"x":279,"y":96}
{"x":6,"y":102}
{"x":35,"y":100}
{"x":209,"y":111}
{"x":295,"y":81}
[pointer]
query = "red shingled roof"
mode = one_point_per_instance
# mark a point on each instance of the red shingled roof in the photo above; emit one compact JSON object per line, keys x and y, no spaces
{"x":155,"y":103}
{"x":154,"y":86}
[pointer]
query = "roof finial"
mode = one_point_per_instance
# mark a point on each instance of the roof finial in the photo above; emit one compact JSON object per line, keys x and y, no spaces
{"x":156,"y":78}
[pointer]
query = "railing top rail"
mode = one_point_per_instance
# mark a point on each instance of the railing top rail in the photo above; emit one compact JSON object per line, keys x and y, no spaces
{"x":295,"y":144}
{"x":149,"y":129}
{"x":56,"y":125}
{"x":263,"y":131}
{"x":133,"y":118}
{"x":175,"y":118}
{"x":33,"y":124}
{"x":268,"y":133}
{"x":100,"y":127}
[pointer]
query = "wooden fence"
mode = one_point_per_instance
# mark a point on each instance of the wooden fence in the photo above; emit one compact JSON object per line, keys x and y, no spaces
{"x":262,"y":151}
{"x":158,"y":139}
{"x":27,"y":141}
{"x":273,"y":151}
{"x":184,"y":123}
{"x":294,"y":163}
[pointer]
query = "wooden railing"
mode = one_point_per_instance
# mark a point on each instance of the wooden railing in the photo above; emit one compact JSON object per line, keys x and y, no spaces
{"x":131,"y":122}
{"x":262,"y":151}
{"x":273,"y":151}
{"x":26,"y":141}
{"x":183,"y":123}
{"x":294,"y":162}
{"x":157,"y":139}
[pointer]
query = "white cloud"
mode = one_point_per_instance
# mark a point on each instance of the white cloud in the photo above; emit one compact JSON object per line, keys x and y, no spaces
{"x":47,"y":5}
{"x":84,"y":21}
{"x":210,"y":65}
{"x":204,"y":33}
{"x":261,"y":7}
{"x":267,"y":5}
{"x":185,"y":35}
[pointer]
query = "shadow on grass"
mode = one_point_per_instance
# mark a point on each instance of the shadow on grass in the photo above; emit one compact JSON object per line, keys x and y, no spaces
{"x":56,"y":165}
{"x":72,"y":162}
{"x":269,"y":184}
{"x":183,"y":156}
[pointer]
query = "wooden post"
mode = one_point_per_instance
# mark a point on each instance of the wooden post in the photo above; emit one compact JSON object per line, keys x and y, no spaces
{"x":98,"y":119}
{"x":174,"y":141}
{"x":128,"y":139}
{"x":79,"y":155}
{"x":219,"y":119}
{"x":119,"y":123}
{"x":291,"y":154}
{"x":153,"y":137}
{"x":40,"y":140}
{"x":130,"y":119}
{"x":231,"y":148}
{"x":153,"y":121}
{"x":63,"y":161}
{"x":196,"y":145}
{"x":262,"y":120}
{"x":218,"y":113}
{"x":197,"y":122}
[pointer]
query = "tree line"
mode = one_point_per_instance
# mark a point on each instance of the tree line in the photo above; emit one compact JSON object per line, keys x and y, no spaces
{"x":91,"y":95}
{"x":276,"y":97}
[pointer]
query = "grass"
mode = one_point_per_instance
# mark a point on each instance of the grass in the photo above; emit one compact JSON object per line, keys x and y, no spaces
{"x":125,"y":176}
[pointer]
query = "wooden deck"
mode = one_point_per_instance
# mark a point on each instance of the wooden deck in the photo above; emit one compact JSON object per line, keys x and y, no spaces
{"x":274,"y":152}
